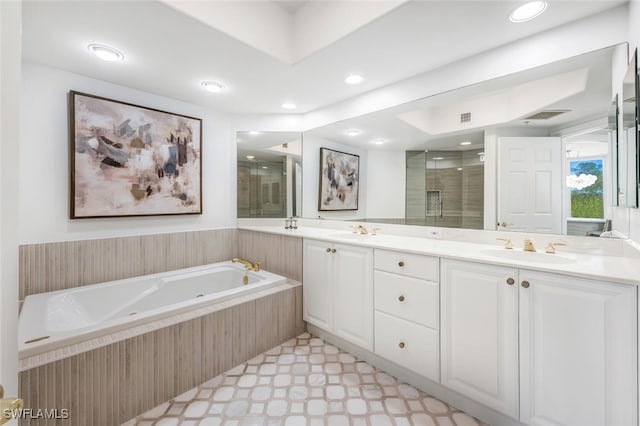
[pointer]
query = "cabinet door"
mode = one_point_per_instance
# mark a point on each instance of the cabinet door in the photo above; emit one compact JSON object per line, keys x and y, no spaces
{"x":317,"y":288}
{"x":353,"y":298}
{"x":577,"y":352}
{"x":479,"y":333}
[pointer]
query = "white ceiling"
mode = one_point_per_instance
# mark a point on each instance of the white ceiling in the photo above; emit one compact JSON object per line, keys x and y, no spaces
{"x":170,"y":54}
{"x":591,"y":103}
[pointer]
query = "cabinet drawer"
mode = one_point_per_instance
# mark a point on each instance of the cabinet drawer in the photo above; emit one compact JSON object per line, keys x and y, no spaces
{"x":411,"y":265}
{"x":419,"y":351}
{"x":406,"y":297}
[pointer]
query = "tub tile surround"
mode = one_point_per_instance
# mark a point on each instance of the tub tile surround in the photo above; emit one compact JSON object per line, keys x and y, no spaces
{"x":304,"y":381}
{"x":607,"y":259}
{"x":119,"y":380}
{"x":68,"y":264}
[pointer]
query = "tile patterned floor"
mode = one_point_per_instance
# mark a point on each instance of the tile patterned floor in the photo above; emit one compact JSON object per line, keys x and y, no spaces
{"x":304,"y":381}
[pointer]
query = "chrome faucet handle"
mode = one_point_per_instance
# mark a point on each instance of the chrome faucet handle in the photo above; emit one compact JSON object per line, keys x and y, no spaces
{"x":551,"y":247}
{"x":507,"y":243}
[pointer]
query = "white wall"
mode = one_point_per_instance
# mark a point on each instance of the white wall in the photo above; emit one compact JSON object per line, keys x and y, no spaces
{"x":311,"y":179}
{"x":44,"y":162}
{"x":634,"y":42}
{"x":386,"y":187}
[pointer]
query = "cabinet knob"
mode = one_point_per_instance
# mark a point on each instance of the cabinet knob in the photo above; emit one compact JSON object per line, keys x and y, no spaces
{"x":328,"y":250}
{"x":401,"y":264}
{"x":525,"y":284}
{"x":401,"y":345}
{"x":401,"y":298}
{"x":510,"y":281}
{"x":333,"y":250}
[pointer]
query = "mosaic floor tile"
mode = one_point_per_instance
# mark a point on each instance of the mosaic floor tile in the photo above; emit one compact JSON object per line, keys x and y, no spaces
{"x":308,"y":382}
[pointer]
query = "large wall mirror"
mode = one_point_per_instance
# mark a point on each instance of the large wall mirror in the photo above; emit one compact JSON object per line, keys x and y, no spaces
{"x":269,"y":174}
{"x":628,"y":140}
{"x":531,"y":151}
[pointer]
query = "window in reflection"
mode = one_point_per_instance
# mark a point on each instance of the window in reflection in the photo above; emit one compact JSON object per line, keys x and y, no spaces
{"x":586,"y":184}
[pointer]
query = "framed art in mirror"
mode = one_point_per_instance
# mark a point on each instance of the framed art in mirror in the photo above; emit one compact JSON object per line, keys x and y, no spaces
{"x":339,"y":180}
{"x":130,"y":160}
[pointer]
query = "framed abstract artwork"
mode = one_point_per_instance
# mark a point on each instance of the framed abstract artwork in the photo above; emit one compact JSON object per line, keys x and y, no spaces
{"x":130,"y":160}
{"x":339,"y":180}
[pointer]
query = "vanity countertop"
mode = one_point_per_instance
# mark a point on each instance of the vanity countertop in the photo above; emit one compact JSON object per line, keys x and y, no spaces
{"x":615,"y":269}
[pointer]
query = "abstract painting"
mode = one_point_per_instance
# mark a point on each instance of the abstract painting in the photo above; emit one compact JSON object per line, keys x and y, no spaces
{"x":129,"y":160}
{"x":339,"y":174}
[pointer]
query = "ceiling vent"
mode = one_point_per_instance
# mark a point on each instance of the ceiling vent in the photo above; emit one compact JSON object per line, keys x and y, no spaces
{"x":465,"y":117}
{"x":546,"y":114}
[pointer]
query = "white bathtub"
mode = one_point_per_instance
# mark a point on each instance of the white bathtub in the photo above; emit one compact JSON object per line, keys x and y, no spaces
{"x":61,"y":318}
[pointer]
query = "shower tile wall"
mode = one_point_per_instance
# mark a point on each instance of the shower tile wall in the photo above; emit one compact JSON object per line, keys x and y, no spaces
{"x":67,"y":264}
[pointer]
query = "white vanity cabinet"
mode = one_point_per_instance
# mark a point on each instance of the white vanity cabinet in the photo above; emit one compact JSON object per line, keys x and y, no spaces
{"x":407,"y":314}
{"x":479,"y":312}
{"x":338,"y":290}
{"x":566,"y":346}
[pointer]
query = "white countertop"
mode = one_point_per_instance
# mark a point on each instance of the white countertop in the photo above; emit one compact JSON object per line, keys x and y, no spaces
{"x":615,"y":269}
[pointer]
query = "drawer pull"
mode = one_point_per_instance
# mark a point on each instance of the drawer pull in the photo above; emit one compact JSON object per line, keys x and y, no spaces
{"x":333,"y":250}
{"x":328,"y":250}
{"x":525,"y":284}
{"x":401,"y":298}
{"x":401,"y":345}
{"x":510,"y":281}
{"x":401,"y":264}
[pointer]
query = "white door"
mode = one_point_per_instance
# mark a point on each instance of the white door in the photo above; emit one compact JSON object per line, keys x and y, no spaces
{"x":577,"y":352}
{"x":530,"y":184}
{"x":10,"y":60}
{"x":353,"y":297}
{"x":317,"y":287}
{"x":479,"y":333}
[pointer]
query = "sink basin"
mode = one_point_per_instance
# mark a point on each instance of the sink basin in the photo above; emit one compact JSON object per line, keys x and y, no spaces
{"x":526,"y":256}
{"x":352,"y":236}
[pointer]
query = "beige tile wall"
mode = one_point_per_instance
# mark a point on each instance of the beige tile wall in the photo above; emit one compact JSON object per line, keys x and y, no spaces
{"x":109,"y":385}
{"x":67,"y":264}
{"x":279,"y":254}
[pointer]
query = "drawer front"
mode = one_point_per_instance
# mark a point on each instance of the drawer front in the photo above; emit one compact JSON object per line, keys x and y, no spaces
{"x":411,"y":265}
{"x":408,"y":298}
{"x":407,"y":344}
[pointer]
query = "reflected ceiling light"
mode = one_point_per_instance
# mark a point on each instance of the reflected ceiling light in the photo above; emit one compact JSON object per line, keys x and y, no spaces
{"x":438,"y":158}
{"x":528,"y":11}
{"x":106,"y":53}
{"x":265,"y":167}
{"x":378,"y":141}
{"x":288,"y":105}
{"x":254,"y":132}
{"x":354,"y":79}
{"x":459,"y":169}
{"x":353,"y":132}
{"x":250,"y":157}
{"x":465,"y":143}
{"x":213,"y":86}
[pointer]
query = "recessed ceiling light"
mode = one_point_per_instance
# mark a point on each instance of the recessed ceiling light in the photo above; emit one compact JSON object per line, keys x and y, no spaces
{"x":438,"y":158}
{"x":528,"y":11}
{"x":106,"y":53}
{"x":265,"y":167}
{"x":250,"y":157}
{"x":465,"y":143}
{"x":288,"y":105}
{"x":378,"y":141}
{"x":459,"y":169}
{"x":353,"y":132}
{"x":354,"y":79}
{"x":213,"y":86}
{"x":254,"y":132}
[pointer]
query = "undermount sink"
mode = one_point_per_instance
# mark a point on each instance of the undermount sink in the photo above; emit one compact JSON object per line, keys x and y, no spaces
{"x":529,"y":256}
